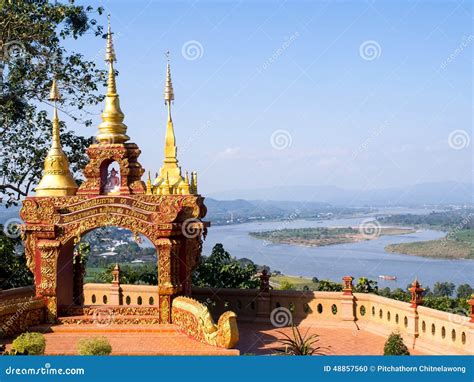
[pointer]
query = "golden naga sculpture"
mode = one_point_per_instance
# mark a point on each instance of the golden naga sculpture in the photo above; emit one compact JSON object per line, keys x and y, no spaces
{"x":57,"y":179}
{"x":194,"y":319}
{"x":169,"y":181}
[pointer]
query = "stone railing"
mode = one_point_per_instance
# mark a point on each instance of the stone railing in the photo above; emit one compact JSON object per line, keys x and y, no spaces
{"x":429,"y":330}
{"x":19,"y":309}
{"x":123,"y":294}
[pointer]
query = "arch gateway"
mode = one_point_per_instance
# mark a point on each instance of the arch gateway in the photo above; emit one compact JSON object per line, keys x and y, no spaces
{"x":167,"y":210}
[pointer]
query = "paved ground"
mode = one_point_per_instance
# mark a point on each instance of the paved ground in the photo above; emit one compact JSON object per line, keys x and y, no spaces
{"x":166,"y":340}
{"x":263,"y":339}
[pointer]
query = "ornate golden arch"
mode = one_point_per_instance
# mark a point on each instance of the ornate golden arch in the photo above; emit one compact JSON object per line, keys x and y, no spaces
{"x":171,"y":222}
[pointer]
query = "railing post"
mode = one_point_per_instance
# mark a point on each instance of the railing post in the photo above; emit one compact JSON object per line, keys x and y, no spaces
{"x":263,"y":298}
{"x":416,"y":292}
{"x":348,"y":300}
{"x":115,"y":289}
{"x":471,"y":303}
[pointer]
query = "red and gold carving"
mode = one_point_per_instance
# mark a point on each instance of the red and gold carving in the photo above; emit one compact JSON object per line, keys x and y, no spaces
{"x":194,"y":319}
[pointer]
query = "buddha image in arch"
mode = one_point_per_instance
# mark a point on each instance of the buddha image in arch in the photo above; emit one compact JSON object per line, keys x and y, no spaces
{"x":112,"y":184}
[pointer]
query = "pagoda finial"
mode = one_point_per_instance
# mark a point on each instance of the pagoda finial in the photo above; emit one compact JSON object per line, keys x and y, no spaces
{"x":57,"y":179}
{"x":112,"y":129}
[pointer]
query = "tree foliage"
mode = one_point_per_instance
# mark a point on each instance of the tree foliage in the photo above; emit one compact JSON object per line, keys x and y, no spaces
{"x":13,"y":270}
{"x":220,"y":270}
{"x":32,"y":35}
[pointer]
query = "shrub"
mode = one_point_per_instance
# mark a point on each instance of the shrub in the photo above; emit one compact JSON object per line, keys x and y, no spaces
{"x":29,"y":343}
{"x":300,"y":344}
{"x":395,"y":345}
{"x":94,"y":346}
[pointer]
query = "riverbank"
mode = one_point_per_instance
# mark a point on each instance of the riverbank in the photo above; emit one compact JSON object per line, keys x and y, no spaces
{"x":459,"y":245}
{"x":318,"y":237}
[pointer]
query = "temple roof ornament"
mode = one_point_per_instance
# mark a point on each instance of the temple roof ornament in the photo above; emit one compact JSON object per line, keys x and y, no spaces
{"x":169,"y":180}
{"x":57,"y":179}
{"x":112,"y":129}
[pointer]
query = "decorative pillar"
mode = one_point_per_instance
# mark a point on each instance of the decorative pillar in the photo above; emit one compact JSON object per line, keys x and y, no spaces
{"x":416,"y":294}
{"x":115,"y":289}
{"x":263,"y":298}
{"x":168,"y":275}
{"x":348,"y":300}
{"x":49,"y":252}
{"x":471,"y":303}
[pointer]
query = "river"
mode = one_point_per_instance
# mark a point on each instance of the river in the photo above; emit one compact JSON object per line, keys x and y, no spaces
{"x":362,"y":259}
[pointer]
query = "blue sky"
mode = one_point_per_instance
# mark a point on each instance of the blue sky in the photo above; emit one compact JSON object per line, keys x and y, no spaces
{"x":358,"y":94}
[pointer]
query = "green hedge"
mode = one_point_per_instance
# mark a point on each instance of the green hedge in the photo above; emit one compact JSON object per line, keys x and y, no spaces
{"x":29,"y":343}
{"x":94,"y":346}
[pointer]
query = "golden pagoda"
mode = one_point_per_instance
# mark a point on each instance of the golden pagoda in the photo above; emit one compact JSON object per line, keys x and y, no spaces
{"x":112,"y":129}
{"x":57,"y":179}
{"x":169,"y":180}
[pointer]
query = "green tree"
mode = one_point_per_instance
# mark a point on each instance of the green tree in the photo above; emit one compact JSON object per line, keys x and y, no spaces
{"x":464,"y":291}
{"x":441,"y":289}
{"x":32,"y":34}
{"x":328,"y":286}
{"x":286,"y":285}
{"x":220,"y":270}
{"x":13,"y":270}
{"x":364,"y":285}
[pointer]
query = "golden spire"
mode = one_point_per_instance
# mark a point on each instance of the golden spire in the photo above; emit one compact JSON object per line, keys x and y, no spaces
{"x":112,"y":129}
{"x":57,"y":179}
{"x":170,"y":166}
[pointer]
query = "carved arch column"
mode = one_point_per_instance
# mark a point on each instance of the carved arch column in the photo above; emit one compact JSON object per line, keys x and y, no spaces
{"x":48,"y":252}
{"x":168,"y":275}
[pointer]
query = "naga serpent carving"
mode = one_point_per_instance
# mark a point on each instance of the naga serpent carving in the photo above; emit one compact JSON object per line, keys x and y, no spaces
{"x":194,"y":319}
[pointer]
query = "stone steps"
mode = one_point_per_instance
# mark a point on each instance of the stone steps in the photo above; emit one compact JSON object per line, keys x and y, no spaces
{"x":107,"y":319}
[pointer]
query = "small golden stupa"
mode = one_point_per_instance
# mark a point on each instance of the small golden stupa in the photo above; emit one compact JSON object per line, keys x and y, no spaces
{"x":169,"y":180}
{"x":112,"y":129}
{"x":57,"y":179}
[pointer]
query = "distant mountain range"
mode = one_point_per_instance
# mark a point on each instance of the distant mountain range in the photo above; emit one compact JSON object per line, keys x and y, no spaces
{"x":317,"y":201}
{"x":441,"y":193}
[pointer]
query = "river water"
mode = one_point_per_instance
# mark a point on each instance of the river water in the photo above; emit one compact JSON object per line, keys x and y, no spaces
{"x":362,"y":259}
